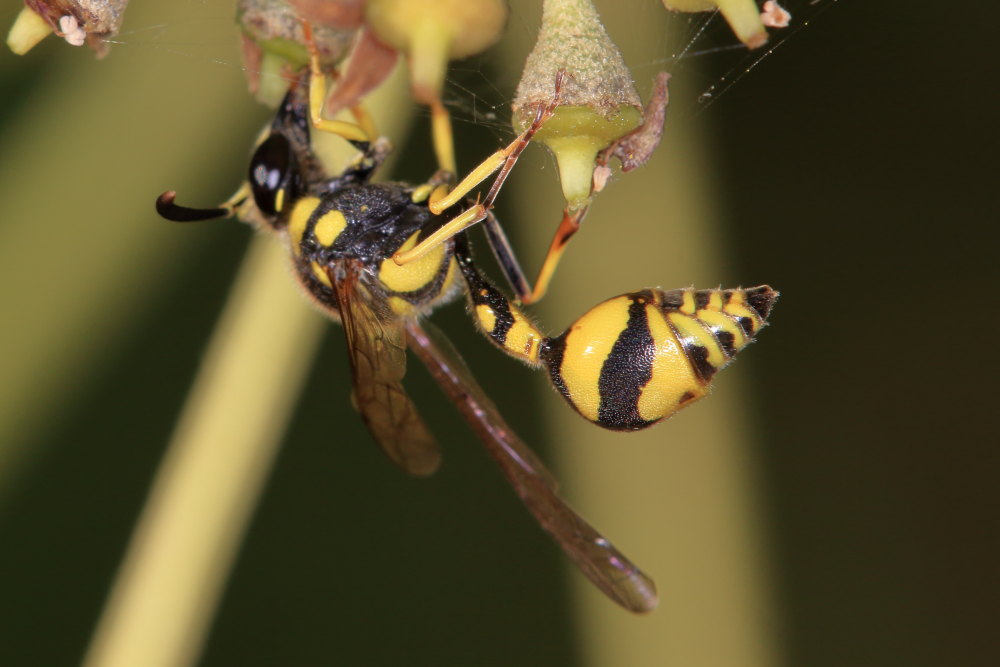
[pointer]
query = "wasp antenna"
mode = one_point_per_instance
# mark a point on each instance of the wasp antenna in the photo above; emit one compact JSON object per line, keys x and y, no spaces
{"x":166,"y":207}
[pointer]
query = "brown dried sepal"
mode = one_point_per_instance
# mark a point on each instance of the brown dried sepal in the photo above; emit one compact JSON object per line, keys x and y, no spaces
{"x":636,"y":147}
{"x":342,"y":14}
{"x":368,"y":65}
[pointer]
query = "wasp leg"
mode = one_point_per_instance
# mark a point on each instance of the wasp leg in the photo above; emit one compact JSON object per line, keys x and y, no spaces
{"x":503,"y":160}
{"x":441,"y":199}
{"x":567,"y":228}
{"x":444,"y":142}
{"x":365,"y":121}
{"x":362,"y":132}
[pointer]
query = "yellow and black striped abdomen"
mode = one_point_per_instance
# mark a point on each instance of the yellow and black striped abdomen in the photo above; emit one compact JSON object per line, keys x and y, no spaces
{"x":637,"y":358}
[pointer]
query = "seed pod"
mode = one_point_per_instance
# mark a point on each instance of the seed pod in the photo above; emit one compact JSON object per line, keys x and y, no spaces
{"x":597,"y":101}
{"x":742,"y":15}
{"x":432,"y":32}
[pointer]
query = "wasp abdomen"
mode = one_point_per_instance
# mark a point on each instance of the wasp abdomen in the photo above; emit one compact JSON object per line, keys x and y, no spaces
{"x":637,"y":358}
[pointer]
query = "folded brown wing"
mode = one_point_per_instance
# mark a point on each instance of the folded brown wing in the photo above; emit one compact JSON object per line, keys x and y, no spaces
{"x":606,"y":567}
{"x":376,"y":344}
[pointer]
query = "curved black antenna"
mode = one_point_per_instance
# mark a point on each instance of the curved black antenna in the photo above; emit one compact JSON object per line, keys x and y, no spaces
{"x":166,"y":207}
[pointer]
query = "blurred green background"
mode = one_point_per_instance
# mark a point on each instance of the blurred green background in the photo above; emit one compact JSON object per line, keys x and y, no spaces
{"x":853,"y":169}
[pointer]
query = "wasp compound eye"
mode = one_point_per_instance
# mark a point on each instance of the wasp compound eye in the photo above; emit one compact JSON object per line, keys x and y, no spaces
{"x":274,"y":175}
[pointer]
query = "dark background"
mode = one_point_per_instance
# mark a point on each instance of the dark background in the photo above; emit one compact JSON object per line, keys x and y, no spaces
{"x":857,"y":172}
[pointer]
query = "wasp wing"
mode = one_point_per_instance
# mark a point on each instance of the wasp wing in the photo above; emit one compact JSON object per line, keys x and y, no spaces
{"x":376,"y":345}
{"x":614,"y":574}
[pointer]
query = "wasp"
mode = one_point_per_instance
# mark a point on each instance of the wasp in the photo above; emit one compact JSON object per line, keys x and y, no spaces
{"x":626,"y":364}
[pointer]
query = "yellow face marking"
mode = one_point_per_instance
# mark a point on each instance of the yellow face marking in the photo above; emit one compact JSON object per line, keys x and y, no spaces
{"x":487,"y":318}
{"x":672,"y":375}
{"x":329,"y":227}
{"x":687,"y":304}
{"x":588,"y":344}
{"x":715,"y":301}
{"x":726,"y":323}
{"x":279,"y":200}
{"x":412,"y":275}
{"x":689,"y":327}
{"x":320,"y":274}
{"x":297,"y":222}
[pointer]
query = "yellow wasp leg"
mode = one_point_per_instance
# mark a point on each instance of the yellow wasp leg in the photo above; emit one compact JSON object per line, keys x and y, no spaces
{"x":441,"y":199}
{"x":570,"y":223}
{"x":462,"y":221}
{"x":504,"y":160}
{"x":444,"y":143}
{"x":365,"y":121}
{"x":474,"y":178}
{"x":317,"y":96}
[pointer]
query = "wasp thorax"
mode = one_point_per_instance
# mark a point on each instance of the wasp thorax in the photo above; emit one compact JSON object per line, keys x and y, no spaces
{"x":638,"y":358}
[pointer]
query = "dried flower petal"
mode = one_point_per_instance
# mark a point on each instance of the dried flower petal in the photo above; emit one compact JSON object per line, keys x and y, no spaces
{"x":774,"y":15}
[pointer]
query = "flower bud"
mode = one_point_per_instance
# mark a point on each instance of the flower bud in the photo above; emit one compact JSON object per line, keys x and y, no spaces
{"x":597,"y":100}
{"x":432,"y":32}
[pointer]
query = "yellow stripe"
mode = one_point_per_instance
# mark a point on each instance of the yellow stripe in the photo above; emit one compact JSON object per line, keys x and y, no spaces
{"x":486,"y":317}
{"x":588,"y":344}
{"x":320,"y":274}
{"x":401,"y":306}
{"x":740,"y":310}
{"x":297,"y":222}
{"x":672,"y":374}
{"x":726,"y":323}
{"x":523,"y":339}
{"x":451,"y":277}
{"x":412,"y":275}
{"x":689,"y":327}
{"x":687,"y":303}
{"x":328,"y":227}
{"x":715,"y":300}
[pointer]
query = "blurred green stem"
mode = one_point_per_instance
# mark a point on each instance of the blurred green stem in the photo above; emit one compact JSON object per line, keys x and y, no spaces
{"x":177,"y":564}
{"x":216,"y":464}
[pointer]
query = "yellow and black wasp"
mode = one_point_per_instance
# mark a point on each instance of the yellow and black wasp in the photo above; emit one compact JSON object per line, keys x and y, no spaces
{"x":627,"y":363}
